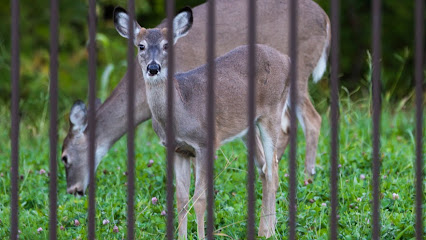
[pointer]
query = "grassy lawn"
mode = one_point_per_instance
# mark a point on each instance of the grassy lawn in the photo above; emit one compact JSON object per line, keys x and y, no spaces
{"x":397,"y":176}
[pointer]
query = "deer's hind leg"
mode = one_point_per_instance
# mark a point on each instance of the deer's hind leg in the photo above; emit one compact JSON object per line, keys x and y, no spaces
{"x":284,"y":134}
{"x":311,"y":125}
{"x":269,"y":131}
{"x":259,"y":158}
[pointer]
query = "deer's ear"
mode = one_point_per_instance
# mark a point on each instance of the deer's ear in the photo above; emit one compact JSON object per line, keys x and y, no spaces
{"x":121,"y":22}
{"x":78,"y":117}
{"x":182,"y":23}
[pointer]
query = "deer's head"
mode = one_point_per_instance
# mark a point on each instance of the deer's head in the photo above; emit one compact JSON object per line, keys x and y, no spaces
{"x":152,"y":43}
{"x":75,"y":150}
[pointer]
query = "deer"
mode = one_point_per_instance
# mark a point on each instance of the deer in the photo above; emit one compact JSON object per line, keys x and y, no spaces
{"x":313,"y":41}
{"x":231,"y":119}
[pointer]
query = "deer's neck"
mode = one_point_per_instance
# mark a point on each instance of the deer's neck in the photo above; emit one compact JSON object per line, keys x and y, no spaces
{"x":157,"y":99}
{"x":111,"y":116}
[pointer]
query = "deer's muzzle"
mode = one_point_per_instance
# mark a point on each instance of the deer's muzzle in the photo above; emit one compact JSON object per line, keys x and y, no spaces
{"x":153,"y":69}
{"x":75,"y":190}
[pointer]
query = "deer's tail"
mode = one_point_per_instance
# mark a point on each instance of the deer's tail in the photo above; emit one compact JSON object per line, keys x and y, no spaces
{"x":320,"y":68}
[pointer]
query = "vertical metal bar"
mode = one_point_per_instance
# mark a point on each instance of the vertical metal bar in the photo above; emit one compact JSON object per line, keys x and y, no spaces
{"x":14,"y":174}
{"x":169,"y":129}
{"x":131,"y":124}
{"x":53,"y":101}
{"x":251,"y":117}
{"x":92,"y":121}
{"x":293,"y":121}
{"x":376,"y":13}
{"x":211,"y":67}
{"x":418,"y":68}
{"x":334,"y":124}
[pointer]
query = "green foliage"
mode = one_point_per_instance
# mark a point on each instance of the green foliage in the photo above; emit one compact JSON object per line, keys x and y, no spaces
{"x":397,"y":152}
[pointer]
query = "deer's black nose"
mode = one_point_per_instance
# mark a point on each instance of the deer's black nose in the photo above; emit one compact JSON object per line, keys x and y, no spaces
{"x":153,"y":69}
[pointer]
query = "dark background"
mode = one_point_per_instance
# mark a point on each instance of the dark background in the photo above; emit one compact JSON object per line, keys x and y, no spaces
{"x":397,"y":41}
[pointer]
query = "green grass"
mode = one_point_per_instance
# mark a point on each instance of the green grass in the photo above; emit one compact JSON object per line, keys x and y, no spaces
{"x":397,"y":176}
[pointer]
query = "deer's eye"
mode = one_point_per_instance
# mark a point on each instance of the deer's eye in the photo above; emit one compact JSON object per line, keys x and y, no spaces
{"x":165,"y":46}
{"x":141,"y":47}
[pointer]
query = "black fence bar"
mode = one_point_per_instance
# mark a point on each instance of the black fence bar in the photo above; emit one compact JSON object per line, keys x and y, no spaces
{"x":418,"y":75}
{"x":131,"y":124}
{"x":251,"y":201}
{"x":92,"y":120}
{"x":292,"y":209}
{"x":334,"y":123}
{"x":376,"y":49}
{"x":211,"y":68}
{"x":14,"y":173}
{"x":53,"y":101}
{"x":169,"y":129}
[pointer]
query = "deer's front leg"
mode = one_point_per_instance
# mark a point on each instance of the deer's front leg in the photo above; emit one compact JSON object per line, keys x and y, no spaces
{"x":182,"y":167}
{"x":200,"y":193}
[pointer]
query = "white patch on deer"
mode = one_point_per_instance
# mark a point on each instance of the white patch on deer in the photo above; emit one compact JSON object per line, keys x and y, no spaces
{"x":239,"y":135}
{"x":162,"y":43}
{"x":123,"y":19}
{"x":322,"y":62}
{"x":179,"y":24}
{"x":100,"y":152}
{"x":143,"y":42}
{"x":268,"y":148}
{"x":285,"y":121}
{"x":161,"y":77}
{"x":123,"y":23}
{"x":300,"y":117}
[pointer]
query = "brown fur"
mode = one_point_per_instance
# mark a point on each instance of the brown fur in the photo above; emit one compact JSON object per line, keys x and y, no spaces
{"x":231,"y":119}
{"x":141,"y":34}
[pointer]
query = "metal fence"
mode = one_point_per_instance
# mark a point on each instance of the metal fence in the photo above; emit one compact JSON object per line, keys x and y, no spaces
{"x":376,"y":48}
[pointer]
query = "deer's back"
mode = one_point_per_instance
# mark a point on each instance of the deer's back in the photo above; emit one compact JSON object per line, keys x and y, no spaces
{"x":272,"y":30}
{"x":231,"y":93}
{"x":231,"y":80}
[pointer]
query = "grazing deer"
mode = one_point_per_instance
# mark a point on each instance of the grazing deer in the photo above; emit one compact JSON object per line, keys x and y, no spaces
{"x":190,"y":90}
{"x":313,"y":41}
